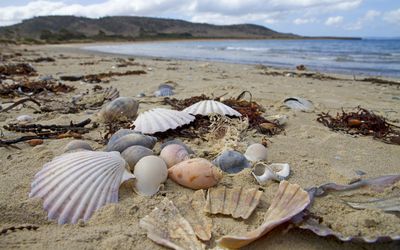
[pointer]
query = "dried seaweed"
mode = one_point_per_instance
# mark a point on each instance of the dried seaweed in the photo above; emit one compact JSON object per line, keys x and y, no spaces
{"x":97,"y":78}
{"x":17,"y":69}
{"x":26,"y":86}
{"x":19,"y":102}
{"x":379,"y":81}
{"x":43,"y":59}
{"x":184,"y":103}
{"x":362,"y":122}
{"x":15,"y":228}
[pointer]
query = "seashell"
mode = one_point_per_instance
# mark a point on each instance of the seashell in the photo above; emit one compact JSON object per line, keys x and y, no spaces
{"x":24,"y":119}
{"x":231,"y":162}
{"x":256,"y":152}
{"x":208,"y":107}
{"x":290,"y":200}
{"x":160,"y":120}
{"x":110,"y":93}
{"x":391,"y":204}
{"x":263,"y":173}
{"x":34,"y":142}
{"x":177,"y":141}
{"x":74,"y":185}
{"x":167,"y":227}
{"x":122,"y":108}
{"x":120,"y":133}
{"x":134,"y":153}
{"x":278,"y":119}
{"x":173,"y":154}
{"x":195,"y":173}
{"x":298,"y":103}
{"x":129,"y":140}
{"x":150,"y":172}
{"x":77,"y":145}
{"x":164,"y":90}
{"x":238,"y":202}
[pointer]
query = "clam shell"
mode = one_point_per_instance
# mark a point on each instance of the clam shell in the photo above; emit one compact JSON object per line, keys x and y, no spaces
{"x":173,"y":154}
{"x":120,"y":133}
{"x":298,"y":103}
{"x":208,"y":107}
{"x":77,"y":145}
{"x":177,"y":141}
{"x":160,"y":120}
{"x":164,"y":91}
{"x":256,"y":152}
{"x":24,"y":118}
{"x":290,"y":200}
{"x":264,"y":173}
{"x":167,"y":227}
{"x":134,"y":153}
{"x":231,"y":162}
{"x":74,"y":185}
{"x":129,"y":140}
{"x":238,"y":202}
{"x":195,"y":173}
{"x":122,"y":108}
{"x":150,"y":172}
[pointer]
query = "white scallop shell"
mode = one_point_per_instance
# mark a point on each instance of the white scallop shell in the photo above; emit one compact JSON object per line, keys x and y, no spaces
{"x":160,"y":120}
{"x":74,"y":185}
{"x":209,"y":107}
{"x":150,"y":172}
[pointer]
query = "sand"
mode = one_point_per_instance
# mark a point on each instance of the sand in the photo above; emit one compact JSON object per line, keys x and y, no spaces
{"x":316,"y":154}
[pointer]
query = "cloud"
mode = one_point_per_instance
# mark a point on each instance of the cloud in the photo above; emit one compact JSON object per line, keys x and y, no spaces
{"x":300,"y":21}
{"x":334,"y":20}
{"x":392,"y":16}
{"x":369,"y":16}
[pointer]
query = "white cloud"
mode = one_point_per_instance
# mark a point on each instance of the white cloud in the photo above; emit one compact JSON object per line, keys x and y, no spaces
{"x":334,"y":20}
{"x":300,"y":21}
{"x":392,"y":16}
{"x":369,"y":16}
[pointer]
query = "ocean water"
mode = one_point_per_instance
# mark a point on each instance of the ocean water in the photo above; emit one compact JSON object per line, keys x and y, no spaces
{"x":375,"y":57}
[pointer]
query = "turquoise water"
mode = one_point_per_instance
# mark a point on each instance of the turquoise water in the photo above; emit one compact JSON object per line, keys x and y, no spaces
{"x":367,"y":56}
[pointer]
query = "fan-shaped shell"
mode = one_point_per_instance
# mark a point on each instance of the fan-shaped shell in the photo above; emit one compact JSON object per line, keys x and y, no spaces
{"x":150,"y":172}
{"x":74,"y":185}
{"x":208,"y":107}
{"x":298,"y":103}
{"x":160,"y":120}
{"x":122,"y":108}
{"x":134,"y":153}
{"x":173,"y":154}
{"x":129,"y":140}
{"x":77,"y":145}
{"x":231,"y":162}
{"x":256,"y":152}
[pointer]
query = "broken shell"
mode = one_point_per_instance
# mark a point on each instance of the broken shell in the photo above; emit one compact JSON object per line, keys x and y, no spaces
{"x":122,"y":108}
{"x":150,"y":172}
{"x":391,"y":204}
{"x":24,"y":118}
{"x":195,"y":173}
{"x":134,"y":153}
{"x":290,"y":200}
{"x":129,"y":140}
{"x":77,"y":145}
{"x":263,"y":173}
{"x":238,"y":202}
{"x":278,"y":119}
{"x":298,"y":103}
{"x":231,"y":162}
{"x":208,"y":107}
{"x":74,"y":185}
{"x":160,"y":120}
{"x":173,"y":154}
{"x":256,"y":152}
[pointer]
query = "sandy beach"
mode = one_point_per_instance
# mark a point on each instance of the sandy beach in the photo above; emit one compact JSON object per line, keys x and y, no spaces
{"x":316,"y":154}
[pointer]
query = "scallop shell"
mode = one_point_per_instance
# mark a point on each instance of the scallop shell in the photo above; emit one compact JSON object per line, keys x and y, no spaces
{"x":134,"y":153}
{"x":195,"y":173}
{"x":238,"y":202}
{"x":77,"y":145}
{"x":150,"y":172}
{"x":256,"y":152}
{"x":208,"y":107}
{"x":74,"y":185}
{"x":122,"y":108}
{"x":263,"y":173}
{"x":129,"y":140}
{"x":160,"y":120}
{"x":167,"y":227}
{"x":298,"y":103}
{"x":231,"y":162}
{"x":173,"y":154}
{"x":290,"y":200}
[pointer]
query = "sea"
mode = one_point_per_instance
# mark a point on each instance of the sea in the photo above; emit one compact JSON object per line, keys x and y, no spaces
{"x":370,"y":57}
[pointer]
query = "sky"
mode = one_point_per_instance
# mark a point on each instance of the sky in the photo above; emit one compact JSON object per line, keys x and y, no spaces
{"x":365,"y":18}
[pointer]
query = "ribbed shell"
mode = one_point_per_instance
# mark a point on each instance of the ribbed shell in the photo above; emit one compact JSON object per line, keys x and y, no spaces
{"x":209,"y":107}
{"x":74,"y":185}
{"x":160,"y":120}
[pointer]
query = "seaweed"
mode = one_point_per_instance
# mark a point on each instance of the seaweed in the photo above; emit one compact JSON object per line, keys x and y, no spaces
{"x":17,"y":69}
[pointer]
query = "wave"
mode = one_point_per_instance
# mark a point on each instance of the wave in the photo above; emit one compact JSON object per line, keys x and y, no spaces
{"x":247,"y":48}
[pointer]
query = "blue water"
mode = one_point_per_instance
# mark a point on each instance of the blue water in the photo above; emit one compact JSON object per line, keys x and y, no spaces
{"x":368,"y":56}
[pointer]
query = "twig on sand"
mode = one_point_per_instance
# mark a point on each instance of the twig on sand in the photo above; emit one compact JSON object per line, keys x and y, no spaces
{"x":14,"y":228}
{"x":19,"y":102}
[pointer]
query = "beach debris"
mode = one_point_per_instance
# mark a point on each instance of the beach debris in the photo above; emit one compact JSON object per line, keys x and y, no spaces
{"x":24,"y":119}
{"x":196,"y":173}
{"x":289,"y":201}
{"x":164,"y":90}
{"x":298,"y":104}
{"x":167,"y":227}
{"x":120,"y":109}
{"x":301,"y":67}
{"x":19,"y":102}
{"x":134,"y":153}
{"x":74,"y":185}
{"x":43,"y":59}
{"x":279,"y":119}
{"x":208,"y":107}
{"x":123,"y":142}
{"x":34,"y":142}
{"x":15,"y":228}
{"x":256,"y":152}
{"x":379,"y":81}
{"x":77,"y":145}
{"x":231,"y":162}
{"x":173,"y":154}
{"x":72,"y":78}
{"x":102,"y":77}
{"x":362,"y":122}
{"x":17,"y":69}
{"x":150,"y":172}
{"x":160,"y":120}
{"x":391,"y":204}
{"x":237,"y":202}
{"x":264,"y":173}
{"x":176,"y":141}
